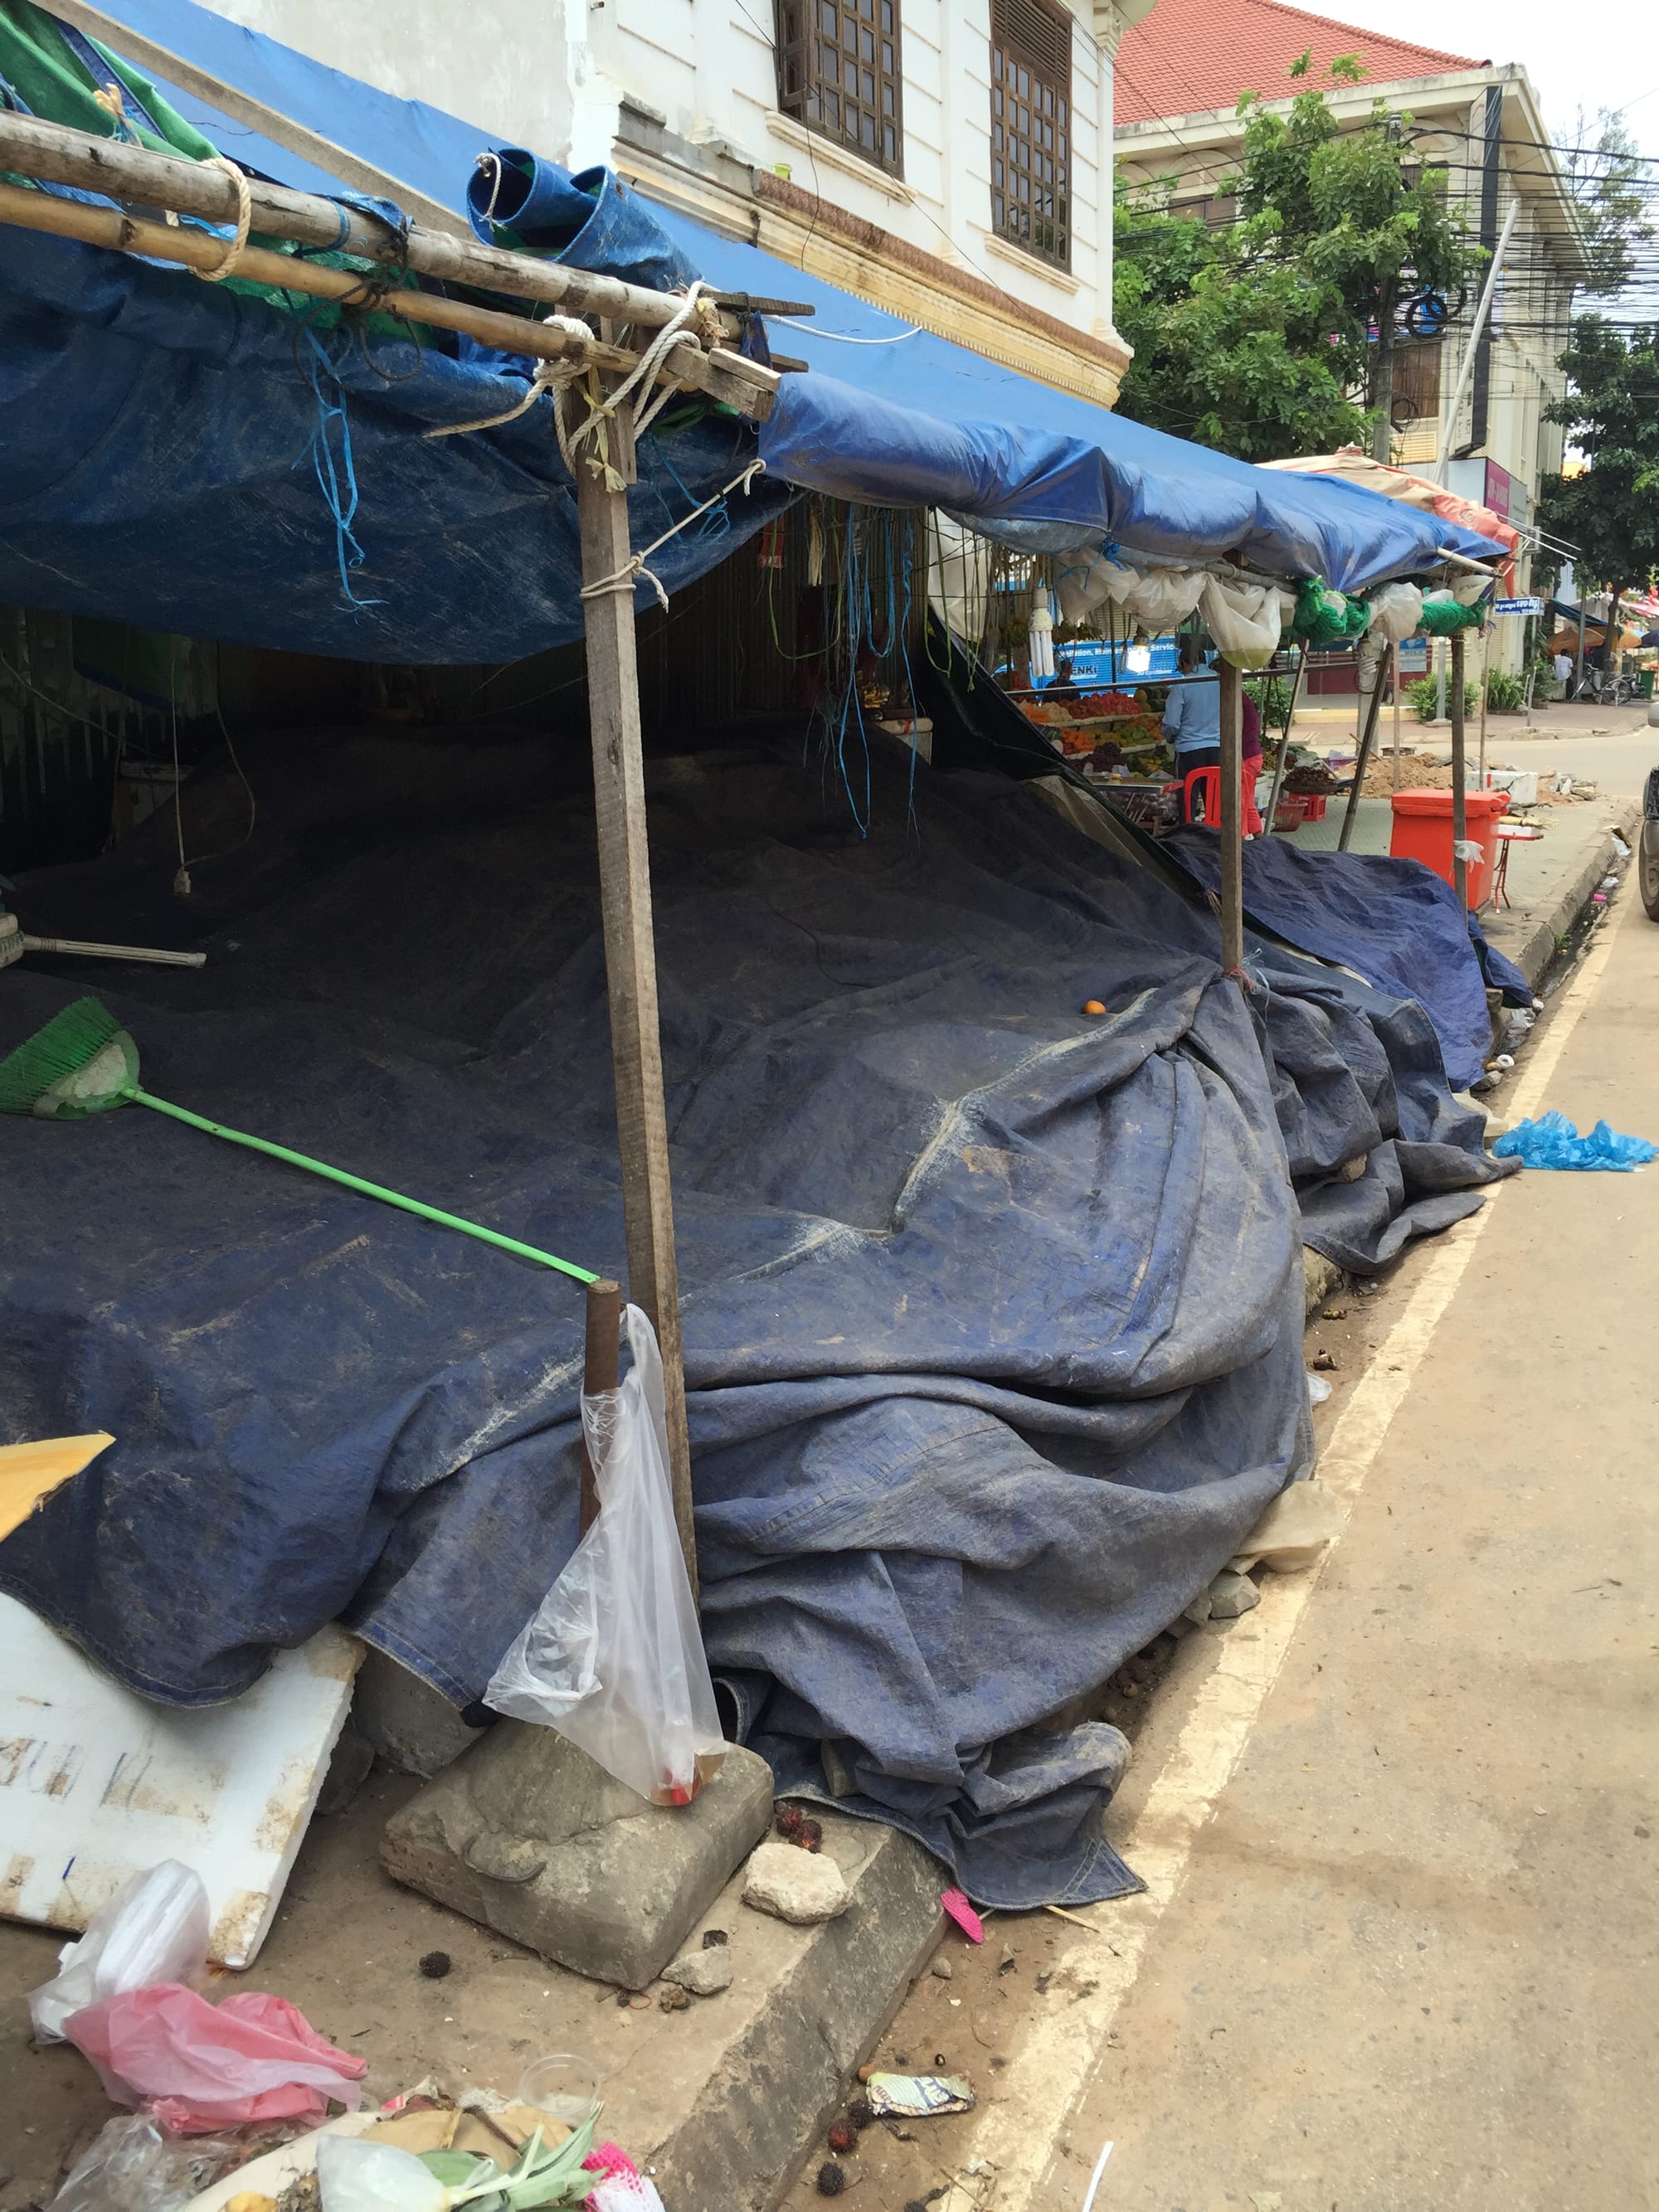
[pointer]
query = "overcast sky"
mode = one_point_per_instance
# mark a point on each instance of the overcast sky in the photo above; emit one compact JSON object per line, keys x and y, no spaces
{"x":1594,"y":57}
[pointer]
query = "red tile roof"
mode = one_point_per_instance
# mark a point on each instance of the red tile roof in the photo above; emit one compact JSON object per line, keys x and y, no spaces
{"x":1189,"y":56}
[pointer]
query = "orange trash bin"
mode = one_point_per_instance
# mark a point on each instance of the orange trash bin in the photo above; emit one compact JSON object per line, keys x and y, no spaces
{"x":1423,"y":831}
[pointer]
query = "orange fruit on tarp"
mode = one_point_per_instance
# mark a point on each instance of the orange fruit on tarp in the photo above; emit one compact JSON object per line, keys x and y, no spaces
{"x":1093,"y":1006}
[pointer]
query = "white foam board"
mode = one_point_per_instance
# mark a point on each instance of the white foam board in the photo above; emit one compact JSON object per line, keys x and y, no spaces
{"x":97,"y":1783}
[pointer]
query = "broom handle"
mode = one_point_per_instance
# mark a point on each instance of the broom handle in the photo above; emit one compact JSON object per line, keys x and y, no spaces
{"x":357,"y":1182}
{"x":113,"y":952}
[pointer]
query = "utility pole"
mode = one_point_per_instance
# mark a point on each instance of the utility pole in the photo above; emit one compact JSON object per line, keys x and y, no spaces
{"x":1382,"y":383}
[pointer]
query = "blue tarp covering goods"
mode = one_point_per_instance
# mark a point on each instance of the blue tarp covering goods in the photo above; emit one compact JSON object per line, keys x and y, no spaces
{"x":993,"y":1311}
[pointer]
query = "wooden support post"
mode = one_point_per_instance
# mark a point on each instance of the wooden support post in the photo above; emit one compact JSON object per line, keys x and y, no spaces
{"x":1285,"y":741}
{"x":1460,"y":810}
{"x":1232,"y":819}
{"x":1368,"y":731}
{"x":1485,"y":656}
{"x":1394,"y":666}
{"x":630,"y":956}
{"x":601,"y":1360}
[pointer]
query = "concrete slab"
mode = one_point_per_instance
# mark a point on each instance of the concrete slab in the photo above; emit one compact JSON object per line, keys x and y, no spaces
{"x":528,"y":1836}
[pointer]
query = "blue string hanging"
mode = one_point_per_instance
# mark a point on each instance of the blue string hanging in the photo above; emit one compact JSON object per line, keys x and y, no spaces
{"x":337,"y":478}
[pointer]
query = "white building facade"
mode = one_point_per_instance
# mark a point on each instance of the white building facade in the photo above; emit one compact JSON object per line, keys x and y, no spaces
{"x":948,"y":161}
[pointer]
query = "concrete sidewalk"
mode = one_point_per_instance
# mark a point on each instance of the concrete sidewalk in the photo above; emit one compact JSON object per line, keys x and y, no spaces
{"x":1408,"y":1965}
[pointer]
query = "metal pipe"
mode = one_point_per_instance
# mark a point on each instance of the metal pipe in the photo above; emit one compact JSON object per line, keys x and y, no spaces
{"x":1465,"y":368}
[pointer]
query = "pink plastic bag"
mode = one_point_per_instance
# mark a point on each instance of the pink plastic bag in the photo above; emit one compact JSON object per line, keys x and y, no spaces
{"x":199,"y":2066}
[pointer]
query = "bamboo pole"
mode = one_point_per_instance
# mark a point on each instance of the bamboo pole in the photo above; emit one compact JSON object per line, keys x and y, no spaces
{"x":1232,"y":820}
{"x":688,"y":369}
{"x":145,"y":180}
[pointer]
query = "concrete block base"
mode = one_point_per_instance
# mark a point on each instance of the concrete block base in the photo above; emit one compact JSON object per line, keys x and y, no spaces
{"x":528,"y":1836}
{"x":405,"y":1721}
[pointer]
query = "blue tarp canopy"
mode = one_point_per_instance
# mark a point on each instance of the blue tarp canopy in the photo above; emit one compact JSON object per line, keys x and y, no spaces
{"x":144,"y":410}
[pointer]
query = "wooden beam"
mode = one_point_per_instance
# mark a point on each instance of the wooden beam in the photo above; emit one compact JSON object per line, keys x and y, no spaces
{"x":1368,"y":731}
{"x":145,"y":181}
{"x":1459,"y":809}
{"x":601,"y":1360}
{"x":691,"y":369}
{"x":630,"y":955}
{"x":1281,"y":764}
{"x":149,"y":54}
{"x":1232,"y":820}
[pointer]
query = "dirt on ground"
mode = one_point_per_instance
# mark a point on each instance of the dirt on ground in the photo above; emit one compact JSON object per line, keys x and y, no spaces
{"x":1431,"y":771}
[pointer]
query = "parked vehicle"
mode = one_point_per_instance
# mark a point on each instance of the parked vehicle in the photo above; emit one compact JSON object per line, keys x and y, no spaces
{"x":1647,"y":852}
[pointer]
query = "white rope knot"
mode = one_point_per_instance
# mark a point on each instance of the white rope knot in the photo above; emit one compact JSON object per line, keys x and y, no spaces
{"x":226,"y":266}
{"x":624,"y":578}
{"x":550,"y":375}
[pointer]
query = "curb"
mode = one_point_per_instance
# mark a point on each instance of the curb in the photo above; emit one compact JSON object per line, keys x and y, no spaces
{"x":1535,"y":953}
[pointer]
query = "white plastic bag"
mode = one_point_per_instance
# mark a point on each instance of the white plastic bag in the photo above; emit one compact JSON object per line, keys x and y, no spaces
{"x":1396,"y":611}
{"x":1083,"y":588}
{"x":1163,"y":597}
{"x":613,"y":1658}
{"x":154,"y":1928}
{"x":354,"y":2176}
{"x":1243,"y":619}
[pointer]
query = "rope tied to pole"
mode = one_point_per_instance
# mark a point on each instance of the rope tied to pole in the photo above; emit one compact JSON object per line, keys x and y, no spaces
{"x":233,"y":253}
{"x":624,"y":578}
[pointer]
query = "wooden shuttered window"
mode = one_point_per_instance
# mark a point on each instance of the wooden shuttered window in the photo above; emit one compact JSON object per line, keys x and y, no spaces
{"x":1031,"y":128}
{"x":840,"y":73}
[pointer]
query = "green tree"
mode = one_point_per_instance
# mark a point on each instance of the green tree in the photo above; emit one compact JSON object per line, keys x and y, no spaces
{"x":1233,"y":344}
{"x":1272,"y":334}
{"x":1610,"y":510}
{"x":1609,"y":184}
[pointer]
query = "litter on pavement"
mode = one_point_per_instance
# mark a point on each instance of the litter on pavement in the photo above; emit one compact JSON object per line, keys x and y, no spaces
{"x":1553,"y":1141}
{"x":919,"y":2096}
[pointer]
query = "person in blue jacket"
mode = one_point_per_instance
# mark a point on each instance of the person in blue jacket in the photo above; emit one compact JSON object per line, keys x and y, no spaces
{"x":1192,"y":718}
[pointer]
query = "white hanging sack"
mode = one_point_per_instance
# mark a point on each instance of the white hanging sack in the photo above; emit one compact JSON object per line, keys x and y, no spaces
{"x":613,"y":1657}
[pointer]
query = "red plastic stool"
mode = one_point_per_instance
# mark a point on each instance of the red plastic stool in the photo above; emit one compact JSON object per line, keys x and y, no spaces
{"x":1209,"y":780}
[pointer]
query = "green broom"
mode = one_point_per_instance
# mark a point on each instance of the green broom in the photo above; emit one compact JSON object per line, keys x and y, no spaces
{"x":84,"y":1062}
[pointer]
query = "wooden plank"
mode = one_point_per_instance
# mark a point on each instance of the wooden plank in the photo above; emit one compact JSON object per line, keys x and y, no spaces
{"x":1232,"y":820}
{"x":630,"y":958}
{"x":601,"y":1361}
{"x":157,"y":60}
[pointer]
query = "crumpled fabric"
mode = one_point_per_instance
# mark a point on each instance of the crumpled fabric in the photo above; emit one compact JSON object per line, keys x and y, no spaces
{"x":196,"y":2066}
{"x":1553,"y":1141}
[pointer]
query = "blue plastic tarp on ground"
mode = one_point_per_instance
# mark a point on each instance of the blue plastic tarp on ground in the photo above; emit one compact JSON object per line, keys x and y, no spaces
{"x":1395,"y":922}
{"x":993,"y":1309}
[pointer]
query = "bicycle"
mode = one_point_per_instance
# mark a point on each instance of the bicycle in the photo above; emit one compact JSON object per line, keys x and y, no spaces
{"x":1600,"y":690}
